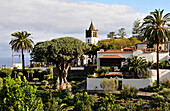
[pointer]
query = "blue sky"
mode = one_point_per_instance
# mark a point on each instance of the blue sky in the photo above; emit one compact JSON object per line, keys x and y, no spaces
{"x":49,"y":19}
{"x":143,"y":6}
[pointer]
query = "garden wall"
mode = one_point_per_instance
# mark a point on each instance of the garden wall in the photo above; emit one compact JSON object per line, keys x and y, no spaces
{"x":163,"y":74}
{"x":94,"y":83}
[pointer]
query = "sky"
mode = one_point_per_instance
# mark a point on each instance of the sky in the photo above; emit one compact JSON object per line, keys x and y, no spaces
{"x":49,"y":19}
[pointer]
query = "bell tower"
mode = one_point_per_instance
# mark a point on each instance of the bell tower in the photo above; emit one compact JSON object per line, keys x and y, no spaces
{"x":91,"y":35}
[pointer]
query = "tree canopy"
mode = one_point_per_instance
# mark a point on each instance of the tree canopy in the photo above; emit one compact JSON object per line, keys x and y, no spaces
{"x":118,"y":43}
{"x":61,"y":52}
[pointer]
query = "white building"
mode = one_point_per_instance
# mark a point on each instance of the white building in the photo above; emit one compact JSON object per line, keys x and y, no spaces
{"x":116,"y":58}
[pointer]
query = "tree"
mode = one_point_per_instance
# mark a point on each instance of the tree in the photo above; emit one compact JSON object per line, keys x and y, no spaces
{"x":136,"y":65}
{"x":21,"y":42}
{"x":62,"y":52}
{"x":111,"y":35}
{"x":156,"y":32}
{"x":136,"y":30}
{"x":122,"y":33}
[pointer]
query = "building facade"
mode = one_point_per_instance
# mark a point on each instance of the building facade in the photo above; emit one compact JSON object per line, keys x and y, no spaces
{"x":91,"y":35}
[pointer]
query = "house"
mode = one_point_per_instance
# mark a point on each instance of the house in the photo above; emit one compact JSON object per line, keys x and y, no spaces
{"x":116,"y":58}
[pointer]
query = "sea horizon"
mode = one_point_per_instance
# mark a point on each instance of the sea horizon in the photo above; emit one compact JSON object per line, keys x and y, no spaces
{"x":7,"y":61}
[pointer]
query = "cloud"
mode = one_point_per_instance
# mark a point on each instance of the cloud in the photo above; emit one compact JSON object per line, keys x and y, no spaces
{"x":48,"y":19}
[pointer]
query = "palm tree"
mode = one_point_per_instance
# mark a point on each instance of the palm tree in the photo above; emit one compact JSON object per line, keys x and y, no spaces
{"x":156,"y":32}
{"x":136,"y":65}
{"x":21,"y":42}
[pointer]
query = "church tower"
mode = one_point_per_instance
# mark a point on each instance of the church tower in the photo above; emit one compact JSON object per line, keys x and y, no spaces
{"x":91,"y":35}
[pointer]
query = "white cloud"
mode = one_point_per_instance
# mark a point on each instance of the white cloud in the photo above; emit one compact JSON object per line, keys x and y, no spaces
{"x":47,"y":19}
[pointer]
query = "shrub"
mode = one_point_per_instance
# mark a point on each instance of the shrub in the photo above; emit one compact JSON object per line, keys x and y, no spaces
{"x":46,"y":77}
{"x":102,"y":71}
{"x":84,"y":102}
{"x":166,"y":82}
{"x":44,"y":82}
{"x":129,"y":92}
{"x":1,"y":83}
{"x":108,"y":104}
{"x":20,"y":96}
{"x":109,"y":85}
{"x":161,"y":100}
{"x":5,"y":72}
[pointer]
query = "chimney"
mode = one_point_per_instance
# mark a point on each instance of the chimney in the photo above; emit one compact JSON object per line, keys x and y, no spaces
{"x":101,"y":50}
{"x":121,"y":48}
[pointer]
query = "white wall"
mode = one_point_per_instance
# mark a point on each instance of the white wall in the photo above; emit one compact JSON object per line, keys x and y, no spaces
{"x":138,"y":83}
{"x":163,"y":74}
{"x":141,"y":46}
{"x":92,"y":40}
{"x":94,"y":83}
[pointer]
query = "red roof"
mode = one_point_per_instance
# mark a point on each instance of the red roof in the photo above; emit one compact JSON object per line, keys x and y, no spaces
{"x":163,"y":51}
{"x":110,"y":56}
{"x":142,"y":43}
{"x":116,"y":51}
{"x":114,"y":74}
{"x":128,"y":48}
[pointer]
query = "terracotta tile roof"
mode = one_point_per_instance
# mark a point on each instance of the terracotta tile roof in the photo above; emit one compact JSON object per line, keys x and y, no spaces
{"x":116,"y":51}
{"x":110,"y":56}
{"x":142,"y":43}
{"x":114,"y":74}
{"x":163,"y":51}
{"x":128,"y":48}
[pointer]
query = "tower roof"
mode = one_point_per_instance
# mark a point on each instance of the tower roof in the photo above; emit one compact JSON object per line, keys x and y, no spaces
{"x":91,"y":26}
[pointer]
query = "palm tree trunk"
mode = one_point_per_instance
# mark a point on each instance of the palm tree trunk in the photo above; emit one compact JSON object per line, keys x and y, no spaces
{"x":23,"y":64}
{"x":157,"y":62}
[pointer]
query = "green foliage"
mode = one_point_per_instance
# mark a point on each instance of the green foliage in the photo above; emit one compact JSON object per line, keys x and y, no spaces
{"x":90,"y":76}
{"x":137,"y":67}
{"x":44,"y":82}
{"x":68,"y":91}
{"x":35,"y":79}
{"x":129,"y":92}
{"x":102,"y":71}
{"x":52,"y":105}
{"x":47,"y":77}
{"x":122,"y":33}
{"x":109,"y":85}
{"x":84,"y":102}
{"x":166,"y":82}
{"x":118,"y":43}
{"x":136,"y":30}
{"x":62,"y":52}
{"x":21,"y":42}
{"x":20,"y":74}
{"x":5,"y":72}
{"x":111,"y":35}
{"x":161,"y":99}
{"x":20,"y":96}
{"x":1,"y":84}
{"x":108,"y":103}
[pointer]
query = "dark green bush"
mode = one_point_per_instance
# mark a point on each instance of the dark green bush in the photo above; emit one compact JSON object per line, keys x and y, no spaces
{"x":1,"y":83}
{"x":5,"y":72}
{"x":161,"y":100}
